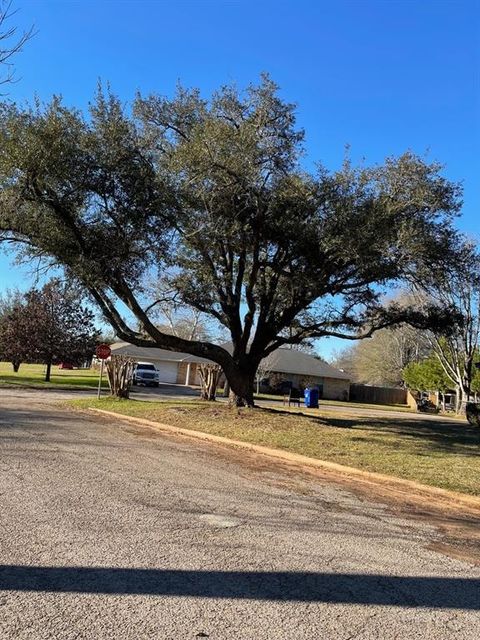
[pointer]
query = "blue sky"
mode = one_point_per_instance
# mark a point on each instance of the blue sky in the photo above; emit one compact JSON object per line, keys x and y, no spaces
{"x":380,"y":76}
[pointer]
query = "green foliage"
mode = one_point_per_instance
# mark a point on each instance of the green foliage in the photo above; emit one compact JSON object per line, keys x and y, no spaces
{"x":48,"y":325}
{"x":457,"y":349}
{"x":211,"y":195}
{"x":475,"y":388}
{"x":427,"y":375}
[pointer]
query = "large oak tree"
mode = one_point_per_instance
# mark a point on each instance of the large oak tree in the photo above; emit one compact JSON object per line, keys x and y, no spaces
{"x":211,"y":194}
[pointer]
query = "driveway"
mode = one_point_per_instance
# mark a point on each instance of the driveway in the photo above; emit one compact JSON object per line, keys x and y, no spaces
{"x":113,"y":531}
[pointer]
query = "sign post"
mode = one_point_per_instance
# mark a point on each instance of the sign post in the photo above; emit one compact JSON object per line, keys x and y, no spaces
{"x":102,"y":352}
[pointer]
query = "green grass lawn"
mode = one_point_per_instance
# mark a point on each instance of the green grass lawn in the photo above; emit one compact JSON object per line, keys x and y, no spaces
{"x":33,"y":375}
{"x":440,"y":454}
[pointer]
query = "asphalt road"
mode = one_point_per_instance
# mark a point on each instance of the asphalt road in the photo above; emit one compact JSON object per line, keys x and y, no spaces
{"x":113,"y":531}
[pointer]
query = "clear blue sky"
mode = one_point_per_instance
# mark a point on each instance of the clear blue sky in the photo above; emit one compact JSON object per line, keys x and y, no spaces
{"x":380,"y":76}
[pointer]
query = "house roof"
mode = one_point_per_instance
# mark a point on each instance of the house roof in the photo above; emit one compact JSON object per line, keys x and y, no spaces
{"x":283,"y":360}
{"x":287,"y":360}
{"x":147,"y":354}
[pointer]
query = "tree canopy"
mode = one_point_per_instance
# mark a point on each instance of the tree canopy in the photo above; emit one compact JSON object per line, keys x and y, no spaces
{"x":427,"y":375}
{"x":212,"y":196}
{"x":11,"y":350}
{"x":47,"y":326}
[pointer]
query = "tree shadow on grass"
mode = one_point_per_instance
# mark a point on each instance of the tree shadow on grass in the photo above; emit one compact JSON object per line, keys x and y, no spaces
{"x":410,"y":591}
{"x":446,"y":437}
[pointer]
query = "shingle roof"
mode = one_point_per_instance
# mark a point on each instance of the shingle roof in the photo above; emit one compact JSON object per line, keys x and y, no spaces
{"x":286,"y":360}
{"x":282,"y":360}
{"x":146,"y":354}
{"x":292,"y":361}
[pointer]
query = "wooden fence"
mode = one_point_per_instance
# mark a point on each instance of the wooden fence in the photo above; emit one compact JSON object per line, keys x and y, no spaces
{"x":377,"y":395}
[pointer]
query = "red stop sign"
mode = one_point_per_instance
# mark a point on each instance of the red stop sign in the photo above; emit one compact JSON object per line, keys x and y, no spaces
{"x":103,"y":351}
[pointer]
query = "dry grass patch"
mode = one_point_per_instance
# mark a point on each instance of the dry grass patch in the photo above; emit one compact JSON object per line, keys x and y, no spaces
{"x":441,"y":454}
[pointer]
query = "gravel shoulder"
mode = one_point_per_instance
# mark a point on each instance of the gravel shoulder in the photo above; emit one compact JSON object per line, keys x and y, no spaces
{"x":114,"y":531}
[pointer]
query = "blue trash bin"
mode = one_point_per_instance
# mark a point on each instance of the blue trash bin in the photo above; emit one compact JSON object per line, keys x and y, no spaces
{"x":311,"y":398}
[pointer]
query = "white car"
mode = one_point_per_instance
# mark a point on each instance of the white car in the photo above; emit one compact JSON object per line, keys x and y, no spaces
{"x":146,"y":373}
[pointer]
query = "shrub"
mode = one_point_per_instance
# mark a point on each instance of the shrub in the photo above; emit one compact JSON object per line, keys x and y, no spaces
{"x":473,"y":413}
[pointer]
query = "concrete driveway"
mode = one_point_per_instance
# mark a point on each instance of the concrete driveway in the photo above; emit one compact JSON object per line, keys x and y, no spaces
{"x":112,"y":531}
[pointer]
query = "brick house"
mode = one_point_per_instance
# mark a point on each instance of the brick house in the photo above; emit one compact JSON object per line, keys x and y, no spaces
{"x":288,"y":366}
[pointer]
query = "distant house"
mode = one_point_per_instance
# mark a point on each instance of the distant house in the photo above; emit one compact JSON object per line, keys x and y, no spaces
{"x":288,"y":366}
{"x":298,"y":369}
{"x":174,"y":367}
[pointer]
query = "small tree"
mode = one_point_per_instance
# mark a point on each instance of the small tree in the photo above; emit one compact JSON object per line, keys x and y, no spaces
{"x":12,"y":346}
{"x":48,"y":326}
{"x":120,"y":373}
{"x":277,"y":379}
{"x":209,"y":377}
{"x":456,"y":348}
{"x":476,"y":377}
{"x":427,"y":375}
{"x":263,"y":372}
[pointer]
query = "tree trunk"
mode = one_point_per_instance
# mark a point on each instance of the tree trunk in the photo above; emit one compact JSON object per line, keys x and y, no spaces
{"x":16,"y":366}
{"x":459,"y":403}
{"x":48,"y":371}
{"x":209,"y":375}
{"x":241,"y":388}
{"x":467,"y":378}
{"x":120,"y":372}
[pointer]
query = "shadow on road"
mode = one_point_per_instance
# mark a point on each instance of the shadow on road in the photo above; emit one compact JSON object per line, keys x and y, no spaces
{"x":449,"y":593}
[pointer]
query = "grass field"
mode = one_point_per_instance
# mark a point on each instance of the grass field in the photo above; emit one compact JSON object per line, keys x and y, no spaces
{"x":441,"y":454}
{"x":34,"y":375}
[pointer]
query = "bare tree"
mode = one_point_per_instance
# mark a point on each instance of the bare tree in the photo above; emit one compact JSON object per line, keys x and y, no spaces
{"x":175,"y":318}
{"x":120,"y":372}
{"x":381,"y":359}
{"x":457,"y":349}
{"x":263,"y":371}
{"x":187,"y":324}
{"x":11,"y":41}
{"x":209,"y":377}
